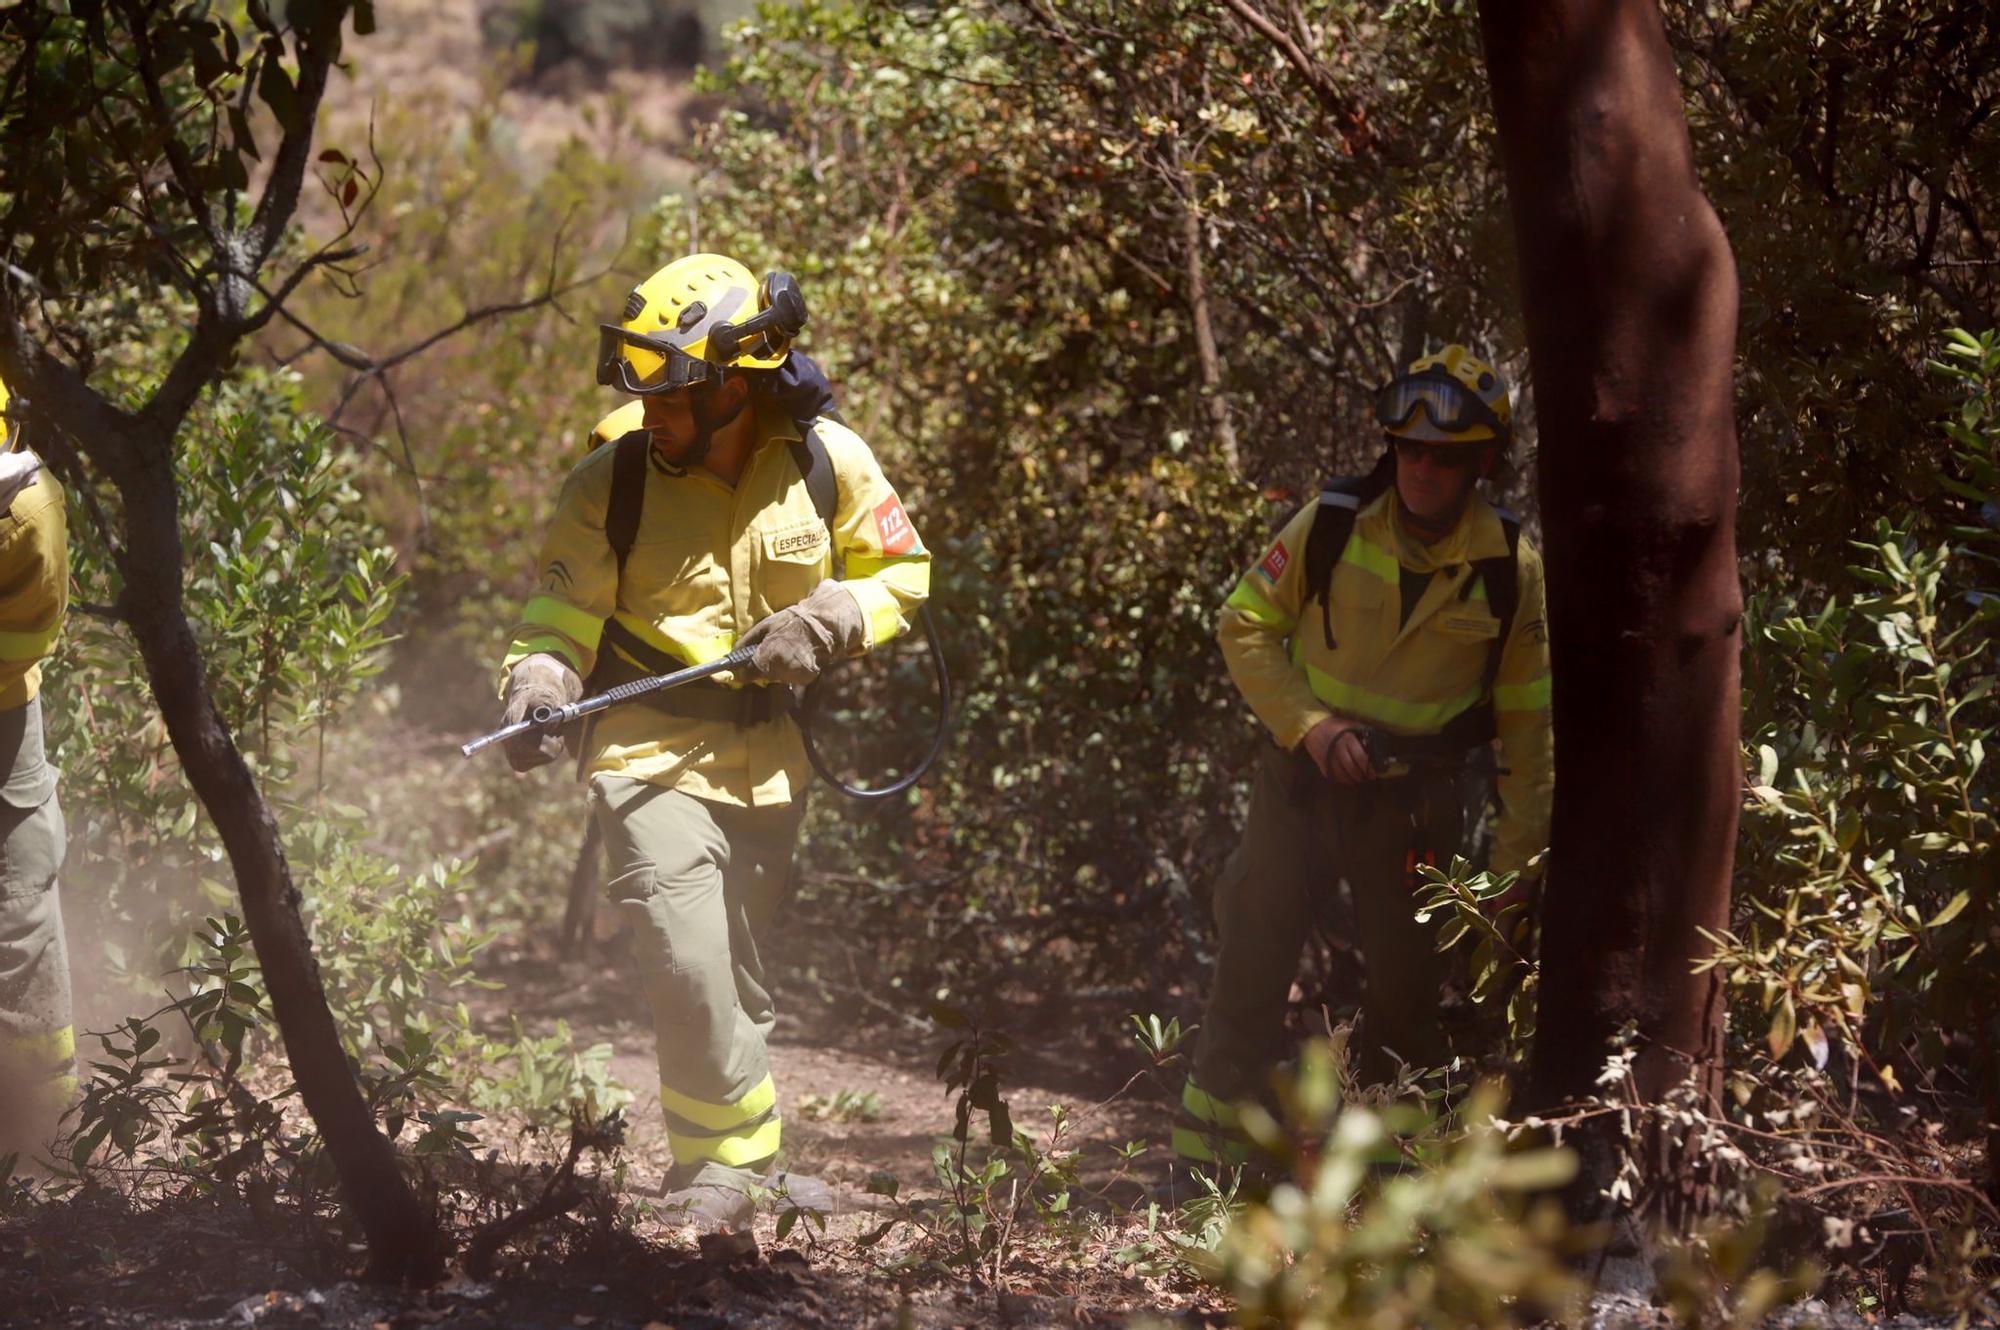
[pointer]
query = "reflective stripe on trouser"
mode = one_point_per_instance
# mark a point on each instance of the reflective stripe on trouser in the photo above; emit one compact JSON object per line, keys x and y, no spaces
{"x":37,"y":1041}
{"x":696,"y":884}
{"x":1303,"y":836}
{"x":1209,"y":1131}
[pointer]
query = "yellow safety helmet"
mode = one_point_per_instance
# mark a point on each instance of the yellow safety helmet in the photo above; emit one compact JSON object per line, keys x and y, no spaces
{"x":10,"y":425}
{"x":1450,"y":397}
{"x":695,"y":318}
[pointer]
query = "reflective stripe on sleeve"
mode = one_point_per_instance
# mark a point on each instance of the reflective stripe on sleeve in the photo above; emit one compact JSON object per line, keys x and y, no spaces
{"x":1534,"y":695}
{"x":542,"y":644}
{"x":1252,"y":604}
{"x":918,"y":579}
{"x":879,"y":606}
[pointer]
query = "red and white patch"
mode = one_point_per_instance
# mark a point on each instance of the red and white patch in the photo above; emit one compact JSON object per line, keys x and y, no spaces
{"x":892,"y":524}
{"x":1274,"y":563}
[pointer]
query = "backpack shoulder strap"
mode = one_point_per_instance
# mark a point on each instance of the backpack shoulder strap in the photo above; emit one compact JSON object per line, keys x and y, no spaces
{"x":1340,"y":502}
{"x":628,"y":494}
{"x":1501,"y":575}
{"x":816,"y":469}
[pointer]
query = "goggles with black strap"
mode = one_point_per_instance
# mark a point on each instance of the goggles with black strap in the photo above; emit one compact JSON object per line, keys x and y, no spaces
{"x":1444,"y":401}
{"x":647,"y":365}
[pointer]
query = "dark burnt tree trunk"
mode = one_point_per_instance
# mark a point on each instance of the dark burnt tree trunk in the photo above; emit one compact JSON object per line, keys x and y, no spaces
{"x":1630,"y":297}
{"x":134,"y":450}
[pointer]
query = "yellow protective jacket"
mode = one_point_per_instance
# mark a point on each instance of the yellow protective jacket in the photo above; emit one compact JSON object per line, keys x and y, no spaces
{"x":708,"y":562}
{"x":34,"y":587}
{"x":1408,"y":678}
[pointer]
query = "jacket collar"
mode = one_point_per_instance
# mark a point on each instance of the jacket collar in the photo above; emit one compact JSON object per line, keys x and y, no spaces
{"x":1478,"y":535}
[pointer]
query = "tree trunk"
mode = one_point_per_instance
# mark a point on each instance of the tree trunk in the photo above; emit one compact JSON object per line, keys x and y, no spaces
{"x":1213,"y":395}
{"x":403,"y":1241}
{"x":1630,"y":296}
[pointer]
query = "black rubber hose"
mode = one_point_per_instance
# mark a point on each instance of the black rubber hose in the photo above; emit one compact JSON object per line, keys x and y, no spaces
{"x":809,"y":711}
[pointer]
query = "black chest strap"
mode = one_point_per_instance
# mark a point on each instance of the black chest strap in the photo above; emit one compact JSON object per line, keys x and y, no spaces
{"x":626,"y":506}
{"x":1340,"y":503}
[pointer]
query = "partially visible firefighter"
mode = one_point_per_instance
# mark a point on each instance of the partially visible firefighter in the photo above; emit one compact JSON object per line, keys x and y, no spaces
{"x":1393,"y":630}
{"x":37,"y":1038}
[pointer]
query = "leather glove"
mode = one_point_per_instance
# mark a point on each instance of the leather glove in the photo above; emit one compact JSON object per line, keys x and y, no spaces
{"x":538,"y":680}
{"x":1338,"y":750}
{"x":797,"y":642}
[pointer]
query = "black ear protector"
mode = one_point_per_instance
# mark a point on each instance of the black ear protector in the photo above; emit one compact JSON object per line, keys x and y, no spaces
{"x":782,"y":318}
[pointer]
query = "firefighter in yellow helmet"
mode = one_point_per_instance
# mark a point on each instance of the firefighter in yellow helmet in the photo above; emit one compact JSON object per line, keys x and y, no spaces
{"x":704,"y":521}
{"x":37,"y":1041}
{"x":1389,"y":634}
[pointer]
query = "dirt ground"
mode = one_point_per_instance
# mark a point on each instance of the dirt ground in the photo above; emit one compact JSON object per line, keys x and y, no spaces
{"x":829,"y":1041}
{"x":209,"y":1263}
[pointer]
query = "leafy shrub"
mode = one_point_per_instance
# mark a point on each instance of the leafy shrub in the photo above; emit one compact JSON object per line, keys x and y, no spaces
{"x":1392,"y":1217}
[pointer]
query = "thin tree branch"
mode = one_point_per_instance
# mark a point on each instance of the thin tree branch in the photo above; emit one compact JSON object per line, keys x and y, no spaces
{"x":178,"y":159}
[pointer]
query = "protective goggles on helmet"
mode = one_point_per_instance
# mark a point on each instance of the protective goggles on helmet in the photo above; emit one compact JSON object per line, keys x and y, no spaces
{"x":645,"y":365}
{"x":1444,"y":401}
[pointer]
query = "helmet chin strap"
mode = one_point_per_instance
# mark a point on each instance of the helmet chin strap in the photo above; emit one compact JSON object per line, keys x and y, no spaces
{"x":706,"y":426}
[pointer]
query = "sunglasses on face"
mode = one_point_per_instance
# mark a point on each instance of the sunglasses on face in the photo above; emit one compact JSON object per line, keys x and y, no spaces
{"x":1456,"y":456}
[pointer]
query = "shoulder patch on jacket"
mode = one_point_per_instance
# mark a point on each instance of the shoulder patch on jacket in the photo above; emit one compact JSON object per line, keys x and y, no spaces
{"x":1274,"y":564}
{"x":892,"y":524}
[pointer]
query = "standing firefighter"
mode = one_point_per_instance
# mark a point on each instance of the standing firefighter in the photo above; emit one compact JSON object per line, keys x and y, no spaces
{"x":709,"y":519}
{"x":1402,"y":615}
{"x":37,"y":1041}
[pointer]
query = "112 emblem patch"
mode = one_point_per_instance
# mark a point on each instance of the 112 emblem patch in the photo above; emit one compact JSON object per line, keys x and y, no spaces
{"x":892,"y":525}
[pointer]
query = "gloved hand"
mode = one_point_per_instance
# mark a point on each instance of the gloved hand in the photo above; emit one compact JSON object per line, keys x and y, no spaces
{"x":1336,"y":748}
{"x":538,"y":680}
{"x":796,"y":643}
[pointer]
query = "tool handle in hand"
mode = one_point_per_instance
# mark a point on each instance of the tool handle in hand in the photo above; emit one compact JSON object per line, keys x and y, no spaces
{"x":546,"y":718}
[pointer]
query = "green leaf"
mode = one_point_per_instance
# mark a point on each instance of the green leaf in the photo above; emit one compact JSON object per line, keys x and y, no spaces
{"x":274,"y":85}
{"x":1535,"y":1170}
{"x":1951,"y":910}
{"x":1784,"y":1027}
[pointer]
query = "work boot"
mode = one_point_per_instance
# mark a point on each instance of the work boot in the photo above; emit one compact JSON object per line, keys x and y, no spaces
{"x":708,"y":1207}
{"x":796,"y":1191}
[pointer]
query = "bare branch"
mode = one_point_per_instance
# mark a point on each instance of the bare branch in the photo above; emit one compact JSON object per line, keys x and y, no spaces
{"x":409,"y":459}
{"x":1344,"y":109}
{"x":92,"y":610}
{"x":288,"y":165}
{"x":274,"y":301}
